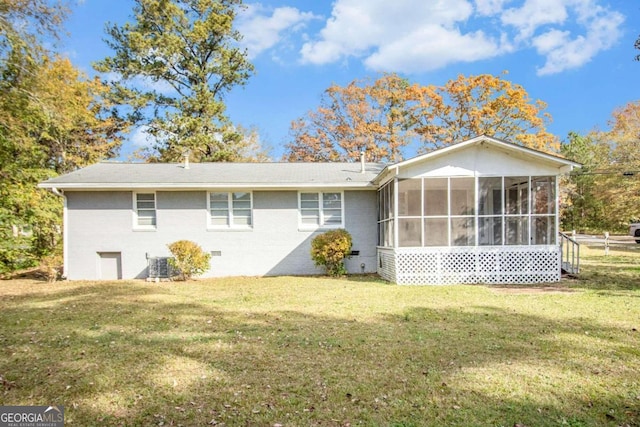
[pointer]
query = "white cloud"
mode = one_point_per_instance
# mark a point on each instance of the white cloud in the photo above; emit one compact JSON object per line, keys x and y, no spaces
{"x":410,"y":54}
{"x":563,"y":52}
{"x":418,"y":35}
{"x":261,"y":31}
{"x":533,"y":14}
{"x":140,"y":138}
{"x":405,"y":35}
{"x":490,"y":7}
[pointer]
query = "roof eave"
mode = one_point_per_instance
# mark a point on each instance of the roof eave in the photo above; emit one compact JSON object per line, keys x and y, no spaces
{"x":202,"y":186}
{"x":560,"y":162}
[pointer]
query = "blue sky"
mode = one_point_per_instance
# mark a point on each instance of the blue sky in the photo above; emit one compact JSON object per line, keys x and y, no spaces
{"x":575,"y":55}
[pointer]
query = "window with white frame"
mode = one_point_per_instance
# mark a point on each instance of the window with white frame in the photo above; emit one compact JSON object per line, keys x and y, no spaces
{"x":145,"y":210}
{"x":321,"y":209}
{"x":230,"y":209}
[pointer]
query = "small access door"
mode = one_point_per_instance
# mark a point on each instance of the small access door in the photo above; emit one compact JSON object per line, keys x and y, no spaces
{"x":109,"y":266}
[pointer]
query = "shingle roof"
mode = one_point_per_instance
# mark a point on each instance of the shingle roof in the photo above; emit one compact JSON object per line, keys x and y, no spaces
{"x":109,"y":175}
{"x":112,"y":175}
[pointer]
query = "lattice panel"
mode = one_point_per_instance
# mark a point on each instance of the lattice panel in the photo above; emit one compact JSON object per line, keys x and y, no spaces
{"x":460,"y":263}
{"x":420,"y":264}
{"x":519,"y":264}
{"x":515,"y":262}
{"x":489,"y":261}
{"x":387,"y":265}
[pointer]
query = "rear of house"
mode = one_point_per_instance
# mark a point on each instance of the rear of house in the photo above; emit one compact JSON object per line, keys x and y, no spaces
{"x":255,"y":219}
{"x":483,"y":210}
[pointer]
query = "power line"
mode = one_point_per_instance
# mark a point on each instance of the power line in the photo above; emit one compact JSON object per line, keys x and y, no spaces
{"x":623,"y":173}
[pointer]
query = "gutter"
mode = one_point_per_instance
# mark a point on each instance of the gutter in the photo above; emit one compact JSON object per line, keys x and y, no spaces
{"x":65,"y":240}
{"x":204,"y":186}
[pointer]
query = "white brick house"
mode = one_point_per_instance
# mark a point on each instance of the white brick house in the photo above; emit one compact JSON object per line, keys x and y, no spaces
{"x":480,"y":211}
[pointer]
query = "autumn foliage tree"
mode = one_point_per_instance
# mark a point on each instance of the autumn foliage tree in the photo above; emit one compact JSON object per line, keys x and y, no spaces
{"x":622,"y":195}
{"x":362,"y":116}
{"x":480,"y":105}
{"x":582,"y":207}
{"x":604,"y":195}
{"x":52,"y":120}
{"x":383,"y":116}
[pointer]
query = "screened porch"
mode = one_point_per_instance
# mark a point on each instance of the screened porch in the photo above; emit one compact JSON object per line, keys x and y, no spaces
{"x":469,"y":229}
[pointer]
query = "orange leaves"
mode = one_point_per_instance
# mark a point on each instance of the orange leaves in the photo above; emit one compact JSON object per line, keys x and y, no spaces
{"x":76,"y":127}
{"x":384,"y":116}
{"x":362,"y":116}
{"x":483,"y":104}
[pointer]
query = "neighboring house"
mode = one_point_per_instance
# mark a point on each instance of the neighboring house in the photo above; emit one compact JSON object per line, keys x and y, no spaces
{"x":480,"y":211}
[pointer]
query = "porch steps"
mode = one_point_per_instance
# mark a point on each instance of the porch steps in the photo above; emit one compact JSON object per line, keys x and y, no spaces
{"x":570,"y":255}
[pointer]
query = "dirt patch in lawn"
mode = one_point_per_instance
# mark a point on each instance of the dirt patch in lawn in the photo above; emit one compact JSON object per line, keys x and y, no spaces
{"x":519,"y":289}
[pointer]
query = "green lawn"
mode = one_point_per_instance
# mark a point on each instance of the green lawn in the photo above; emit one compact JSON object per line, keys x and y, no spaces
{"x":313,"y":351}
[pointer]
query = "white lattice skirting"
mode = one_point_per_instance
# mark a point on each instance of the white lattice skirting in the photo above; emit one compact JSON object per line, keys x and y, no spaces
{"x":494,"y":265}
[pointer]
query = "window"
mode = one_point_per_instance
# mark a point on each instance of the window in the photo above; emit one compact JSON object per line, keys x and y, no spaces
{"x":145,"y":210}
{"x":321,"y":210}
{"x":230,"y":210}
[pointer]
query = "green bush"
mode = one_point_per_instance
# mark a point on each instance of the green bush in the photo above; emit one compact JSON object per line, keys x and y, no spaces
{"x":188,"y":259}
{"x":330,"y":249}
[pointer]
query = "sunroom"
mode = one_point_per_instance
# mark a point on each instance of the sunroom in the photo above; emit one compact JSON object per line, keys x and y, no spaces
{"x":481,"y":211}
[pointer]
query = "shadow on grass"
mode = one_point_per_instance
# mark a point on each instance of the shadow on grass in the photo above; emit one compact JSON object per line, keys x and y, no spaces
{"x":609,"y":273}
{"x":139,"y":354}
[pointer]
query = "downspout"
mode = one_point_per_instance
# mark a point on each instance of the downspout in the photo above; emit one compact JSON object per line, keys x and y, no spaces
{"x":65,"y":240}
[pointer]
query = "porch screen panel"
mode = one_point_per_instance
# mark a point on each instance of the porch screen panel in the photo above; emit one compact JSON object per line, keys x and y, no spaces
{"x":436,"y":232}
{"x":410,"y":212}
{"x":436,"y":211}
{"x":490,"y":211}
{"x":463,"y":231}
{"x":516,"y":196}
{"x":409,"y":197}
{"x":385,"y":215}
{"x":436,"y":197}
{"x":409,"y":232}
{"x":543,"y":199}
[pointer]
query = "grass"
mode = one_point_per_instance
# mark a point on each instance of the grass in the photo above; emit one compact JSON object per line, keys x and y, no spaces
{"x":296,"y":351}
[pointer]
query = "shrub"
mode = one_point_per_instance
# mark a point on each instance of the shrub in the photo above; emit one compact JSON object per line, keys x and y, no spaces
{"x":188,"y":259}
{"x":51,"y":267}
{"x":330,"y":249}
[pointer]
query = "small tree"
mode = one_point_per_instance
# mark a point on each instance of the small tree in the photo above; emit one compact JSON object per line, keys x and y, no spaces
{"x":188,"y":258}
{"x":330,"y":249}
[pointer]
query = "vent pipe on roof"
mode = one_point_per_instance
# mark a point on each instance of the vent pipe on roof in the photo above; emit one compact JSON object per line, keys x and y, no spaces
{"x":186,"y":158}
{"x":362,"y":167}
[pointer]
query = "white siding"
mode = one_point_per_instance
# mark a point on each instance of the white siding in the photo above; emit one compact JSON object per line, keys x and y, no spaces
{"x":479,"y":161}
